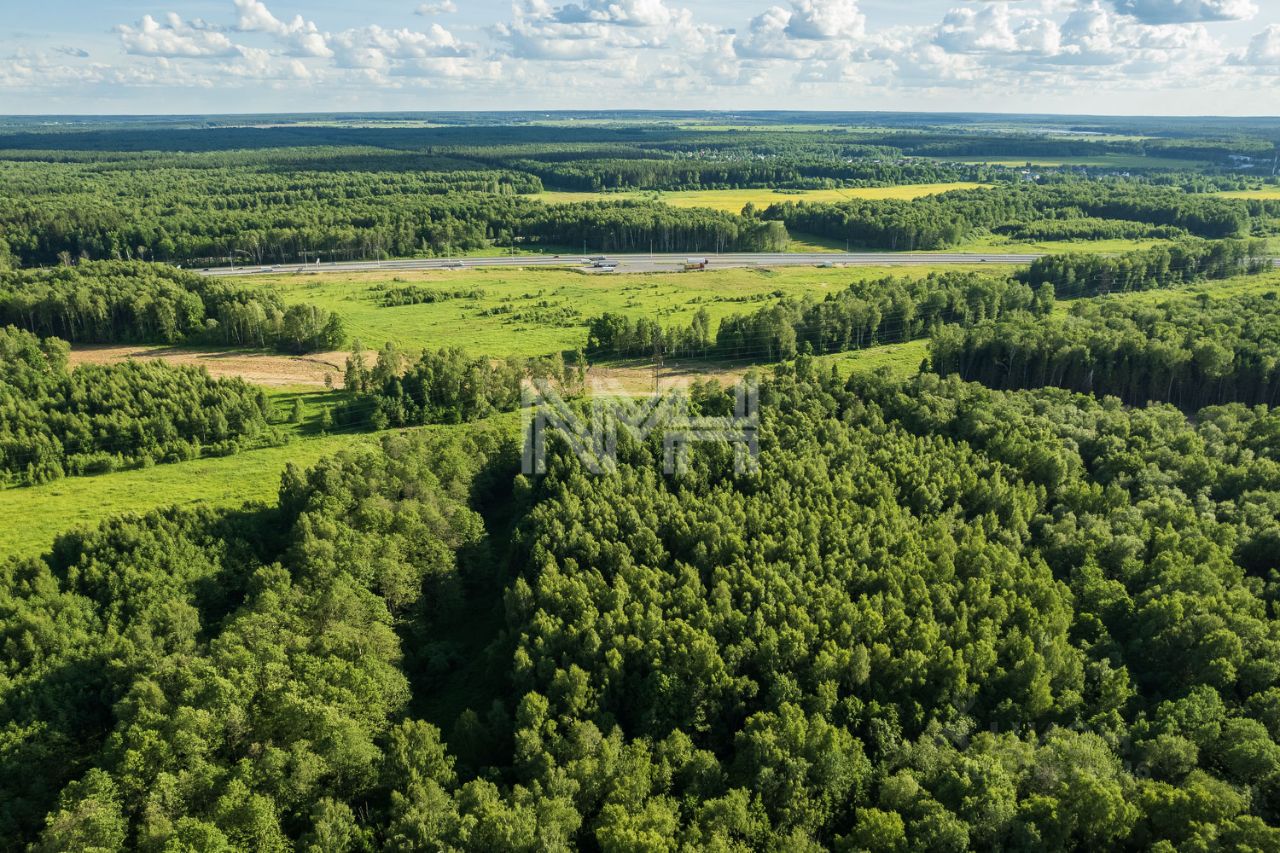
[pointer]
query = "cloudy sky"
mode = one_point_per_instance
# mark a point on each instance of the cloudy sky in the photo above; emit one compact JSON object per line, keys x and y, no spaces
{"x":1078,"y":56}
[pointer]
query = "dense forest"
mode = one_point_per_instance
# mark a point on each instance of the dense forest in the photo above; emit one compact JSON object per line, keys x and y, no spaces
{"x":1079,"y":274}
{"x":1023,"y":596}
{"x":259,"y":196}
{"x":940,"y":617}
{"x":55,"y":422}
{"x":1191,"y":353}
{"x":1048,"y":210}
{"x":135,"y":302}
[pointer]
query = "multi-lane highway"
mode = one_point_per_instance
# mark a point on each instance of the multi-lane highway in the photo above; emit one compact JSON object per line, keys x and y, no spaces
{"x":637,"y":263}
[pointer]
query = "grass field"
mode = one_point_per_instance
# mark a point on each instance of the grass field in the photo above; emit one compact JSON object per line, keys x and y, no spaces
{"x":899,"y":359}
{"x":531,"y":312}
{"x":734,"y":200}
{"x":997,"y":243}
{"x":225,"y":482}
{"x":76,"y":502}
{"x":1272,"y":193}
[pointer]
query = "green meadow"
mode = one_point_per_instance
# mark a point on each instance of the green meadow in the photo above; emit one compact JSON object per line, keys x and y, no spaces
{"x":531,"y":312}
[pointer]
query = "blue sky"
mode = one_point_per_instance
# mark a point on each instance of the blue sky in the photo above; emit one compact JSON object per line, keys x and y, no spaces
{"x":1078,"y":56}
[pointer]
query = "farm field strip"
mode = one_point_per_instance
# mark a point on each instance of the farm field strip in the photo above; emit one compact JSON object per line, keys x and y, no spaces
{"x":734,"y":200}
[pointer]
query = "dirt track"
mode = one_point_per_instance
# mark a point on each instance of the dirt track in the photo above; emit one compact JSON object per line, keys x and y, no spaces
{"x":260,"y":368}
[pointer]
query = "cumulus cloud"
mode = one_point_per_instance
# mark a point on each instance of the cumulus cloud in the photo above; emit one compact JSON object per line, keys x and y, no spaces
{"x":1263,"y":50}
{"x":626,"y":13}
{"x":1187,"y":11}
{"x":593,"y":29}
{"x":826,"y":19}
{"x":174,"y":38}
{"x":808,"y":29}
{"x":301,"y":37}
{"x":375,"y":47}
{"x":448,"y":7}
{"x":997,"y":29}
{"x":583,"y":49}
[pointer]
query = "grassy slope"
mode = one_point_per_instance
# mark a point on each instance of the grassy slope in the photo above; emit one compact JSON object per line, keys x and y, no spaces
{"x":672,"y":297}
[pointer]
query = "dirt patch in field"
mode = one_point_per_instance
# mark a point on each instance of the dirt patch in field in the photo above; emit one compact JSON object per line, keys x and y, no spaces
{"x":276,"y":370}
{"x":639,"y":378}
{"x":259,"y":368}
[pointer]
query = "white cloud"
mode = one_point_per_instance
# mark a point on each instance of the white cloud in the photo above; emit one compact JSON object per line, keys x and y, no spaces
{"x":826,"y":19}
{"x":256,"y":17}
{"x":448,"y":7}
{"x":1263,"y":50}
{"x":809,"y":29}
{"x":593,"y":29}
{"x":766,"y":38}
{"x":997,"y":29}
{"x":300,"y":37}
{"x":651,"y":52}
{"x":626,"y":13}
{"x":374,"y":47}
{"x":1187,"y":11}
{"x":174,"y":38}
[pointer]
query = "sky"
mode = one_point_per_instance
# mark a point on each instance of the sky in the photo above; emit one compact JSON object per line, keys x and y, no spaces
{"x":1137,"y":57}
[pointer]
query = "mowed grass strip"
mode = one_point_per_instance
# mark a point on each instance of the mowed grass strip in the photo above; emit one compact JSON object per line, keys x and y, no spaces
{"x":734,"y":200}
{"x":533,"y":312}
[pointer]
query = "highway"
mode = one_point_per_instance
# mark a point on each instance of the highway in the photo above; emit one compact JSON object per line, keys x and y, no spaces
{"x":636,"y":263}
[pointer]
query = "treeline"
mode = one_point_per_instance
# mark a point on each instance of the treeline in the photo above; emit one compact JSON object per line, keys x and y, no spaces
{"x":939,"y":221}
{"x":940,"y":617}
{"x":1088,"y":228}
{"x":715,"y":170}
{"x":446,"y":386}
{"x":138,"y":216}
{"x":622,"y":336}
{"x":133,"y":302}
{"x":1192,"y":353}
{"x":96,"y":419}
{"x":638,"y":226}
{"x":1080,"y":274}
{"x":867,"y":313}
